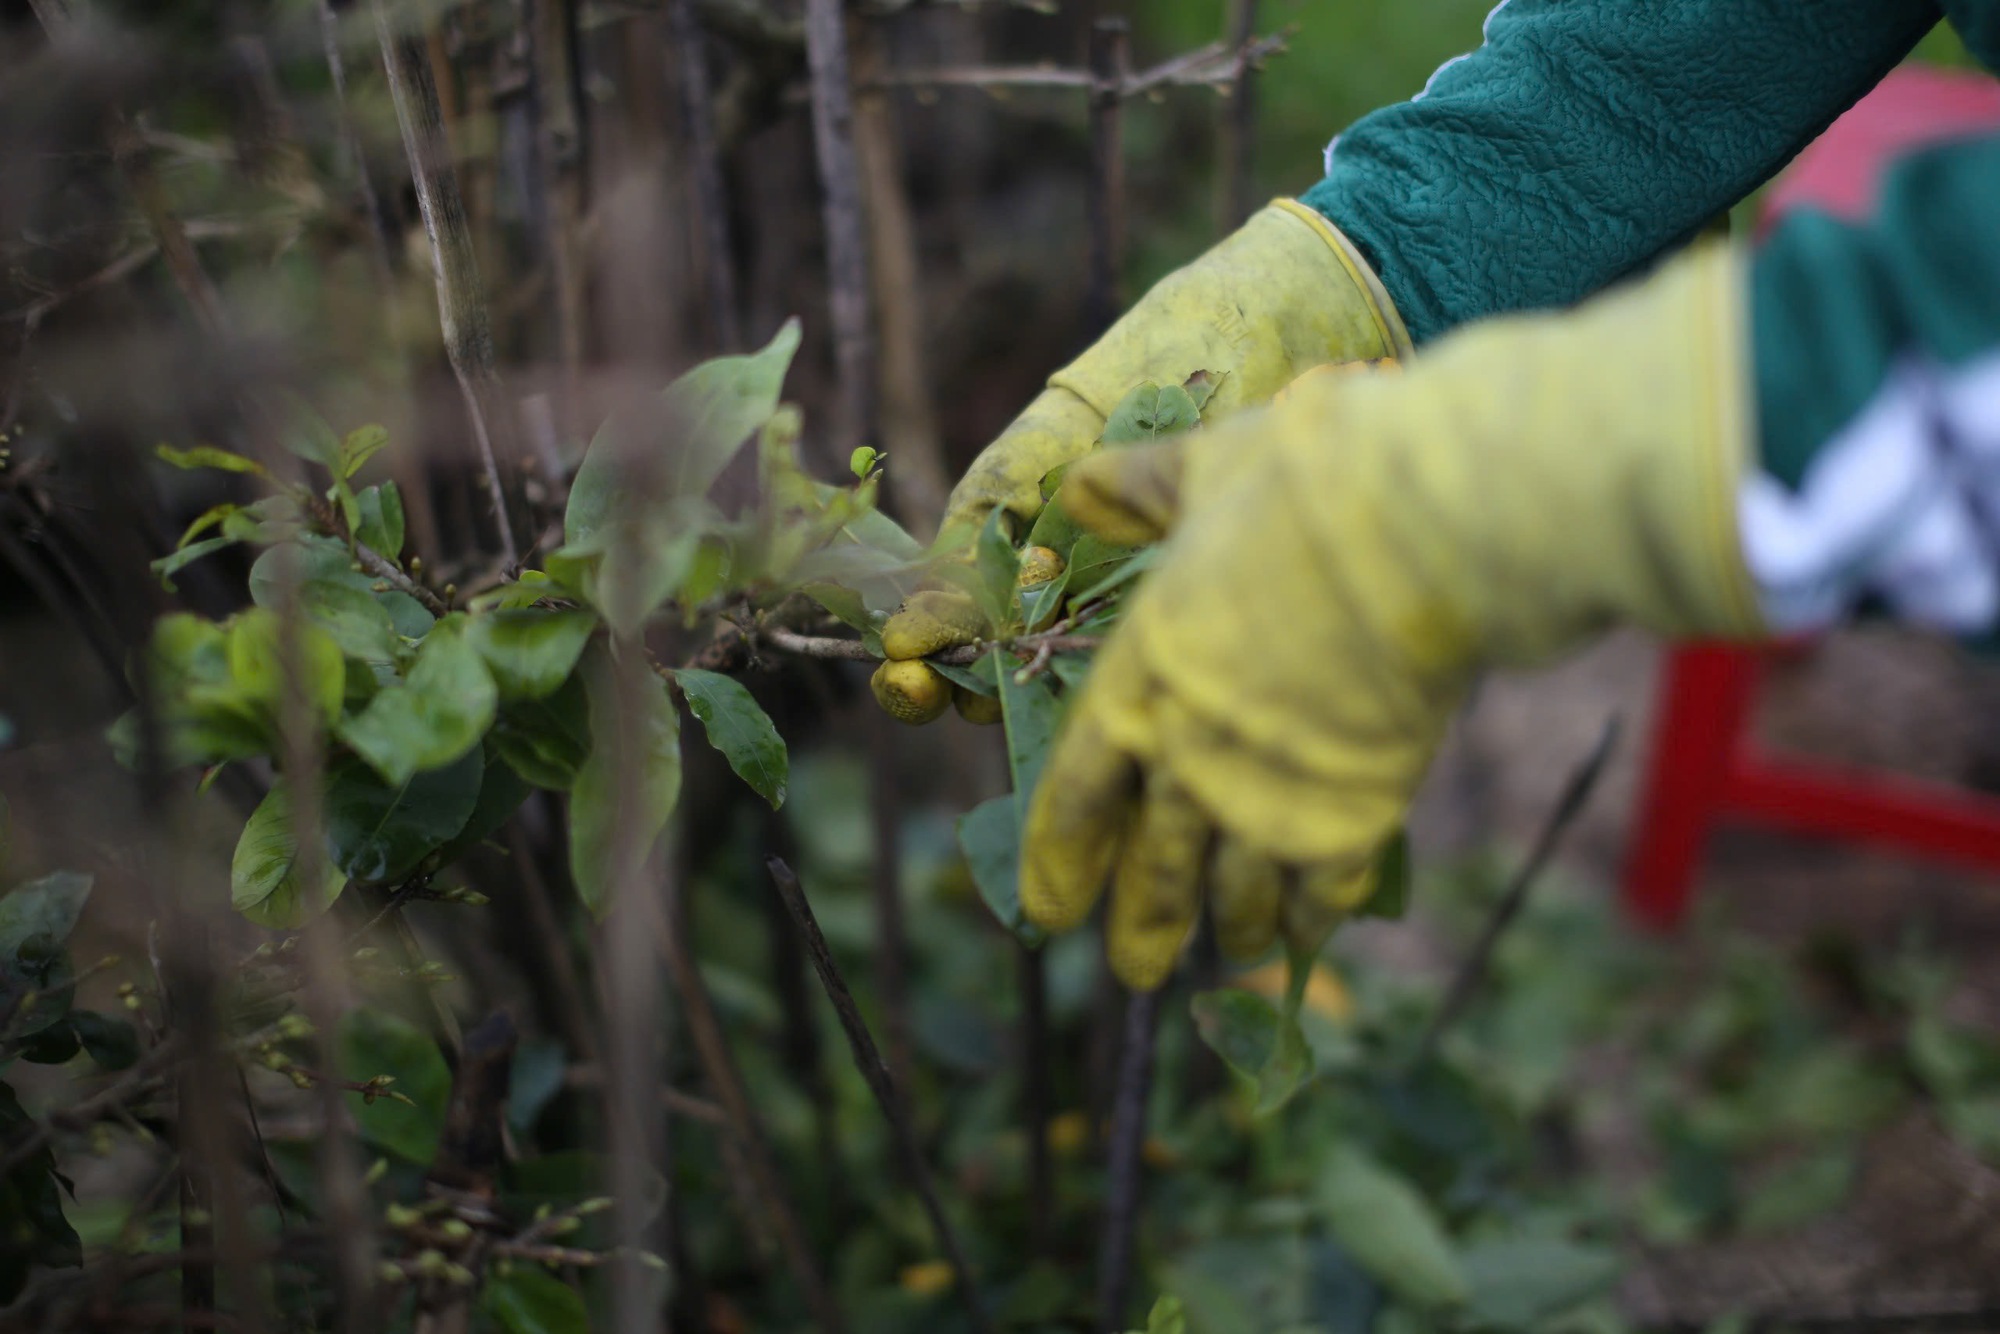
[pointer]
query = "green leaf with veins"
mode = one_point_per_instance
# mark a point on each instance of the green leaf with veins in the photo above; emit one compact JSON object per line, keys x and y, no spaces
{"x":630,"y":782}
{"x":437,"y":714}
{"x":1261,"y":1043}
{"x":990,"y":837}
{"x":208,"y":456}
{"x":738,"y":727}
{"x":264,"y":880}
{"x":530,"y":652}
{"x":1150,"y":413}
{"x":330,"y":595}
{"x":377,"y":831}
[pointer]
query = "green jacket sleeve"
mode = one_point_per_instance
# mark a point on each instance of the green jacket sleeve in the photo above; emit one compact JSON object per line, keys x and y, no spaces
{"x":1876,"y":348}
{"x":1583,"y":139}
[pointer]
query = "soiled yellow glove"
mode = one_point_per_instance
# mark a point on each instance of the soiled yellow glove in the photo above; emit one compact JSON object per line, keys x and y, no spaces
{"x":1342,"y":565}
{"x":1284,"y":293}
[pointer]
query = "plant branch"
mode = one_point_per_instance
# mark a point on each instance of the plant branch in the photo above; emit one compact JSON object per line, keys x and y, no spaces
{"x":1473,"y":971}
{"x":1217,"y":65}
{"x":1124,"y":1159}
{"x":1022,"y":646}
{"x":868,"y":1059}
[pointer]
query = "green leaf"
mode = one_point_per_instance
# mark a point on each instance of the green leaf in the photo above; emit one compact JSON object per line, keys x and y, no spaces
{"x":1041,"y":603}
{"x":381,"y":526}
{"x":530,"y":1300}
{"x":547,"y":740}
{"x":995,"y":567}
{"x":533,"y":586}
{"x":628,"y":786}
{"x":501,"y":792}
{"x":380,"y":832}
{"x":112,"y":1043}
{"x":371,"y":1043}
{"x":712,"y":410}
{"x":361,"y":444}
{"x":432,"y":718}
{"x":1262,"y":1045}
{"x":990,"y":837}
{"x":272,"y":519}
{"x":1097,"y":567}
{"x":205,"y":716}
{"x":980,"y":678}
{"x":540,"y":1069}
{"x":862,"y":461}
{"x":1168,"y":1316}
{"x":208,"y":456}
{"x":33,"y":1228}
{"x":564,"y":1180}
{"x":169,"y":565}
{"x":1151,"y":412}
{"x":264,"y":882}
{"x":530,"y":653}
{"x":259,"y":660}
{"x":1391,"y":896}
{"x":1389,"y":1229}
{"x":331,"y":595}
{"x":47,"y":907}
{"x":1527,"y":1283}
{"x":1800,"y":1191}
{"x":1031,"y":713}
{"x":738,"y":727}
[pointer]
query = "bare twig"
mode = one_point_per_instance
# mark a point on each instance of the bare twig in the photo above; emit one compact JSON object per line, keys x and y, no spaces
{"x":1214,"y":66}
{"x":143,"y":1077}
{"x":892,"y":947}
{"x":868,"y":1059}
{"x":468,"y":336}
{"x":1110,"y":50}
{"x":1123,"y":1162}
{"x":1473,"y":971}
{"x":910,"y":433}
{"x":853,"y":650}
{"x":350,"y":148}
{"x":846,"y":229}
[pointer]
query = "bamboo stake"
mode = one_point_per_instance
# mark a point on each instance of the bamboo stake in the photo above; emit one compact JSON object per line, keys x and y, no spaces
{"x":846,"y":231}
{"x":1110,"y":53}
{"x":1237,"y":139}
{"x":705,"y":170}
{"x":468,"y":333}
{"x":1128,"y":1136}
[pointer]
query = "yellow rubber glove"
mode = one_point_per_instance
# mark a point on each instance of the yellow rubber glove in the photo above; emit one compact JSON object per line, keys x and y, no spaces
{"x":1259,"y":722}
{"x":1284,"y":293}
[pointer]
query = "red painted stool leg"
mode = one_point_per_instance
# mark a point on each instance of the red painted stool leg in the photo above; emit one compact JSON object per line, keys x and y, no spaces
{"x":1704,"y":698}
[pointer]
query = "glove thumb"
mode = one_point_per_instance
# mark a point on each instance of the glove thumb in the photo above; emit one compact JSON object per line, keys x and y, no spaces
{"x":1130,"y":497}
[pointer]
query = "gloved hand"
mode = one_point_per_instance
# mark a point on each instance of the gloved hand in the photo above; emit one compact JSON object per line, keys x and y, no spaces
{"x":1285,"y":293}
{"x":1341,"y":566}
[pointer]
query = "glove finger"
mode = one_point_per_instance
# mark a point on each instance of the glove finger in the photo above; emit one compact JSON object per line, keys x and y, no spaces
{"x":1246,"y":891}
{"x":1319,"y":898}
{"x":1127,"y":496}
{"x":1087,"y":795}
{"x":931,"y":621}
{"x":1156,"y":889}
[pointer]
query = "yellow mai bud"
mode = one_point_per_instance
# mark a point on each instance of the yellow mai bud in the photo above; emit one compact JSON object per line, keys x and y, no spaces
{"x":926,"y":1279}
{"x":975,"y":707}
{"x":1038,"y":566}
{"x":910,"y":692}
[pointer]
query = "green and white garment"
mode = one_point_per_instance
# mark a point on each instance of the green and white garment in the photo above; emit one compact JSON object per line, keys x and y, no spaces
{"x":1583,"y":140}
